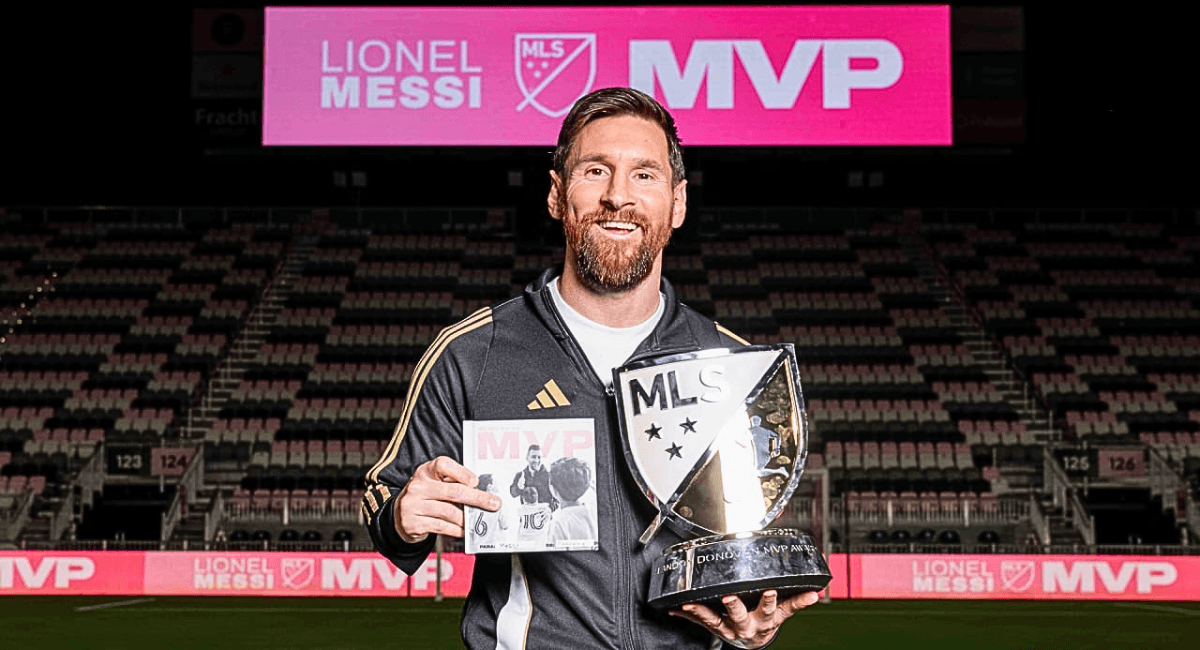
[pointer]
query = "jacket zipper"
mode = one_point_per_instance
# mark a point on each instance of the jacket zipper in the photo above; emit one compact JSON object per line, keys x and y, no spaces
{"x":625,"y":606}
{"x":623,"y":595}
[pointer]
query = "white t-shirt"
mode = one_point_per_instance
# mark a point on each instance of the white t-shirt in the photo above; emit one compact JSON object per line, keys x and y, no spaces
{"x":573,"y":523}
{"x":605,"y":347}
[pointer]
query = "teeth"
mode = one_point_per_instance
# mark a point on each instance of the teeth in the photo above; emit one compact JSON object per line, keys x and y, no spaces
{"x":621,"y":225}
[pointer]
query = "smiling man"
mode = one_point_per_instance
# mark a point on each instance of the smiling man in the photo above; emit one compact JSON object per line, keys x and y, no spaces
{"x":617,"y":186}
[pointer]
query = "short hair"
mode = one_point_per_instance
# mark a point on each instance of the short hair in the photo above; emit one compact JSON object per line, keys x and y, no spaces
{"x":614,"y":102}
{"x":485,"y":482}
{"x":533,"y":448}
{"x":529,"y":495}
{"x":571,"y":477}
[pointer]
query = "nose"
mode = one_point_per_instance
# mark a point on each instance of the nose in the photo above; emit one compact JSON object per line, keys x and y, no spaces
{"x":618,"y":195}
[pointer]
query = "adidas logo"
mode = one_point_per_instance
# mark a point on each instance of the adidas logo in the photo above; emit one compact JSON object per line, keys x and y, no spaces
{"x":549,"y":397}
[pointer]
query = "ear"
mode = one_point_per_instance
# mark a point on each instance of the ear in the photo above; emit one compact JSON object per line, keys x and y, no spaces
{"x":679,"y":212}
{"x":552,"y":197}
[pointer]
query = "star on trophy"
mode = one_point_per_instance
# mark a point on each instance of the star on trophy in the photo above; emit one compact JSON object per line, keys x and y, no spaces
{"x":716,"y":440}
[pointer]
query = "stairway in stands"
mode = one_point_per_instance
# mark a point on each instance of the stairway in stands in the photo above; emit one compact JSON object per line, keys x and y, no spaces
{"x":229,"y":375}
{"x":1015,"y":477}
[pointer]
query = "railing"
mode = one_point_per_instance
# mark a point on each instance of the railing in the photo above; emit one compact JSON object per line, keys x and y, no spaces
{"x":1055,"y":479}
{"x":1167,"y":484}
{"x":214,"y":516}
{"x":61,"y":518}
{"x":17,"y":517}
{"x":1083,"y":522}
{"x":186,"y":545}
{"x":1066,"y":497}
{"x":288,"y":513}
{"x":91,"y":476}
{"x":189,"y":484}
{"x":452,"y":218}
{"x":1037,"y":516}
{"x":911,"y":511}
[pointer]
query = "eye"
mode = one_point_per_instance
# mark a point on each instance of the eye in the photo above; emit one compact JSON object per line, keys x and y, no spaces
{"x":594,"y":171}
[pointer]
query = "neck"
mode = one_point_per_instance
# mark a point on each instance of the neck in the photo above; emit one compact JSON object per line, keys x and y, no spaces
{"x":624,"y":309}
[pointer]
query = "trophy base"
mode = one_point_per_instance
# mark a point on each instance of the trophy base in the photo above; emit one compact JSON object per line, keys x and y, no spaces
{"x":745,"y":564}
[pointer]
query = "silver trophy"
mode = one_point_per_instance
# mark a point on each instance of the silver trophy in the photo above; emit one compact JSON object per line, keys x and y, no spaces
{"x":717,"y":440}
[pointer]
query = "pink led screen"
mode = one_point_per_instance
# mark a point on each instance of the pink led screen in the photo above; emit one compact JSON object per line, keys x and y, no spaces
{"x":1057,"y":577}
{"x":178,"y":573}
{"x":507,"y":76}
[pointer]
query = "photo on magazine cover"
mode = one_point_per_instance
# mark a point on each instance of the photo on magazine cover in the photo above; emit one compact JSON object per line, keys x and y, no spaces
{"x":544,"y":472}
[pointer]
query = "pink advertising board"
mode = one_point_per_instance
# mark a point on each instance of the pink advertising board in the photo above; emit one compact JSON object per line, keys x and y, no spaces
{"x":54,"y":573}
{"x":1034,"y":577}
{"x":175,"y":573}
{"x":507,"y":76}
{"x":226,"y":574}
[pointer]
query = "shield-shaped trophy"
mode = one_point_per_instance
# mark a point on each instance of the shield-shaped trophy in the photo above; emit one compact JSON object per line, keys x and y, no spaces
{"x":717,"y":439}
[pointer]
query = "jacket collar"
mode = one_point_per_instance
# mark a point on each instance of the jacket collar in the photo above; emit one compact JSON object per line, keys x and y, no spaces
{"x":672,"y":334}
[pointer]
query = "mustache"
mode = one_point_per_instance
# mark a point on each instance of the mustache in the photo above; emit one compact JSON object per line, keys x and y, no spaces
{"x":630,"y":216}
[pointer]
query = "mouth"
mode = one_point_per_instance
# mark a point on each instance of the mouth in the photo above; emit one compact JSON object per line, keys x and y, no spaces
{"x":619,"y":228}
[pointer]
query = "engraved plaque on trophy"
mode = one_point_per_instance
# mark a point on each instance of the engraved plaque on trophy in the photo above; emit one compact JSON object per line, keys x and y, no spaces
{"x":717,"y":440}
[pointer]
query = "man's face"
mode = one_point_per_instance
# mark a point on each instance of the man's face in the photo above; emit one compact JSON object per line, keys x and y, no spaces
{"x":617,"y":204}
{"x":534,"y":458}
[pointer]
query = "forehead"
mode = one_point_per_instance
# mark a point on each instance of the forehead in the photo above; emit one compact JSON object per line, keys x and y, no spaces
{"x":533,"y":452}
{"x":622,"y":137}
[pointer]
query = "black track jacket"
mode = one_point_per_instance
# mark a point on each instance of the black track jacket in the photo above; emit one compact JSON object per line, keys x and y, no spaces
{"x":489,"y":367}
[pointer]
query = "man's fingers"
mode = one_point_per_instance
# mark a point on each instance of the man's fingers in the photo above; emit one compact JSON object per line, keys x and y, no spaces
{"x":440,"y":527}
{"x":770,"y":600}
{"x":798,"y":602}
{"x":737,"y":610}
{"x":463,"y":495}
{"x":704,"y":616}
{"x":447,"y":512}
{"x":446,"y":469}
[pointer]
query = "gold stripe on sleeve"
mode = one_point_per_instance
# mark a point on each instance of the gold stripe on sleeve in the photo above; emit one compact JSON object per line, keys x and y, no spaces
{"x":721,"y":328}
{"x":471,"y":323}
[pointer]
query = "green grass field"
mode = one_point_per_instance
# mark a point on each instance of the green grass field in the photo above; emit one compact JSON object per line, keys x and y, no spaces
{"x":50,"y":623}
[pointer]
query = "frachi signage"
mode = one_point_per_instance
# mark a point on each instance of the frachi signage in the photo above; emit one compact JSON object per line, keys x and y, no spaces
{"x":506,"y":76}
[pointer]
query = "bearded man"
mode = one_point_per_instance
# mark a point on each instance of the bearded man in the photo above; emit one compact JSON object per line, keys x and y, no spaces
{"x":618,"y":187}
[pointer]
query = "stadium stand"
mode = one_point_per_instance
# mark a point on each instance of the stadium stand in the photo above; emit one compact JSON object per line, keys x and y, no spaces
{"x":946,"y":368}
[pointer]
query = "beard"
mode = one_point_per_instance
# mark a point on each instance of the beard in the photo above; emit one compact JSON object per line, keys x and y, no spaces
{"x":608,"y":266}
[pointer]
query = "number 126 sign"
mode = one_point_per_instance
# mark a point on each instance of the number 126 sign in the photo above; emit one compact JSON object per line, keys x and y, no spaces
{"x":1121,"y":463}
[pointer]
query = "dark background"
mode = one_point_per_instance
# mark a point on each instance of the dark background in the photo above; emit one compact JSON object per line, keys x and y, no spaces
{"x":97,"y":111}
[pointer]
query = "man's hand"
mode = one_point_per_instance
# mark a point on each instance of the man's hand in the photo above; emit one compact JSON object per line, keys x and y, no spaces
{"x":744,"y":629}
{"x":433,"y":499}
